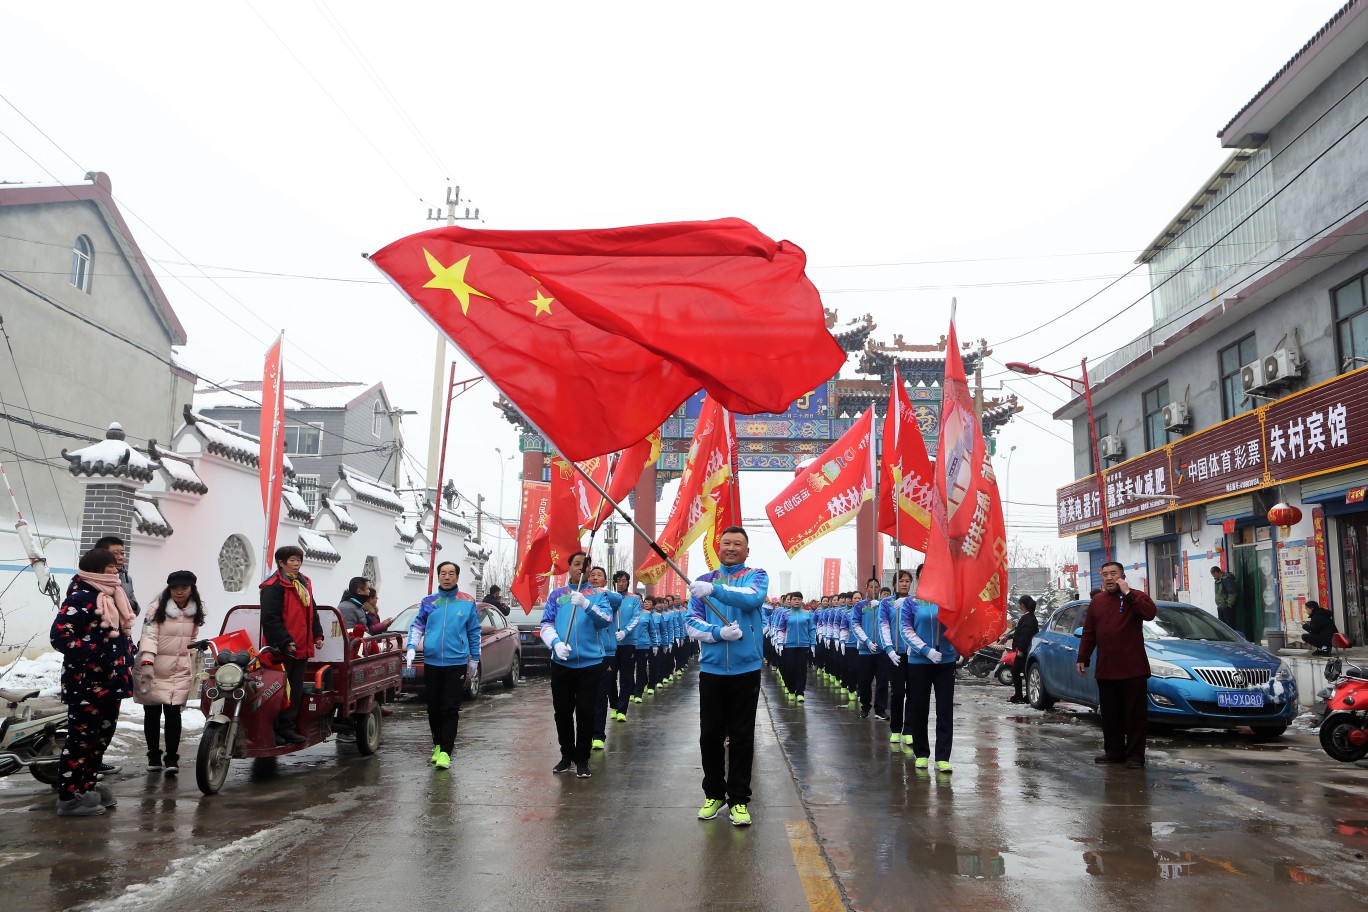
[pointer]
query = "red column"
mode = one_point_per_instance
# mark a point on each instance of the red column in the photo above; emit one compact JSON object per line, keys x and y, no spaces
{"x":645,"y":514}
{"x":868,"y":548}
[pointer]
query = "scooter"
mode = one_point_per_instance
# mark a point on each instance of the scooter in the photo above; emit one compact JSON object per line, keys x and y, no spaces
{"x":1003,"y":672}
{"x":31,"y":741}
{"x":984,"y":662}
{"x":1344,"y":730}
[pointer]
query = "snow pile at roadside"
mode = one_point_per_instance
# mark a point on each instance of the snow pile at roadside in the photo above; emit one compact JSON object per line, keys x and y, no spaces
{"x":43,"y":674}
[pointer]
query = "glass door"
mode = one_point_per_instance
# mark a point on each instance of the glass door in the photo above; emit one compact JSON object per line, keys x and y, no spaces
{"x":1352,"y":539}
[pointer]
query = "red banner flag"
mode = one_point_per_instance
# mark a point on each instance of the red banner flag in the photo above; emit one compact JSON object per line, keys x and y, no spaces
{"x":553,"y":541}
{"x":966,"y":555}
{"x":706,"y":470}
{"x":829,"y":492}
{"x":271,"y":455}
{"x":557,"y":319}
{"x":725,"y":493}
{"x":618,"y":474}
{"x":905,"y":480}
{"x":831,"y":575}
{"x":672,"y":584}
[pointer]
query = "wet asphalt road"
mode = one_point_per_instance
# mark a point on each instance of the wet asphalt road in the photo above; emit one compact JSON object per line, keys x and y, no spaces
{"x":1026,"y":822}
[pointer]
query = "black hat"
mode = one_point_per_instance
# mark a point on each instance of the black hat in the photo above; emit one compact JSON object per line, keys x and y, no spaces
{"x":180,"y":578}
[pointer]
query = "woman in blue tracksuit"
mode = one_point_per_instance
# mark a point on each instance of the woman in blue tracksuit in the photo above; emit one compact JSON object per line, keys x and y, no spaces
{"x":930,"y":666}
{"x":641,"y":639}
{"x":894,"y":645}
{"x":572,"y":622}
{"x":793,"y":643}
{"x":448,"y":623}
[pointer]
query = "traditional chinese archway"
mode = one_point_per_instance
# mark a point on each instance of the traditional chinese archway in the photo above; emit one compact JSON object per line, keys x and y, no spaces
{"x":778,"y":442}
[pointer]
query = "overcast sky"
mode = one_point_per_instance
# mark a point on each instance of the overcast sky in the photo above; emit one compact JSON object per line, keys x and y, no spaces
{"x":1016,"y":156}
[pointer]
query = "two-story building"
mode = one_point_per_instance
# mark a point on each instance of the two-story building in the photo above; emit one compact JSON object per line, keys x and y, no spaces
{"x":1250,"y":388}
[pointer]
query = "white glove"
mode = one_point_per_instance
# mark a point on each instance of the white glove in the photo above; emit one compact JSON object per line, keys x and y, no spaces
{"x":655,"y":650}
{"x":934,"y":655}
{"x":896,"y":658}
{"x":472,"y":669}
{"x":578,"y":600}
{"x":700,"y":589}
{"x":562,"y":651}
{"x":842,"y":647}
{"x":621,"y":635}
{"x":731,"y":632}
{"x":779,"y":648}
{"x":409,"y":657}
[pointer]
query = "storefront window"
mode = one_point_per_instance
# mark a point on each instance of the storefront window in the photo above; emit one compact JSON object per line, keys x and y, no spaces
{"x":1166,"y":570}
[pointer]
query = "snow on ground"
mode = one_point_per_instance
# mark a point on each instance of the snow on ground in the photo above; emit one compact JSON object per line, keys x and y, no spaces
{"x":42,"y":674}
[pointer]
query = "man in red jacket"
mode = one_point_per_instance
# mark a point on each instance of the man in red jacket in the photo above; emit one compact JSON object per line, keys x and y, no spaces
{"x":1112,"y":626}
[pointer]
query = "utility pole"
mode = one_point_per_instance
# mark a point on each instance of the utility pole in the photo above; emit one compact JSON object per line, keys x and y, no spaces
{"x":610,"y":539}
{"x":439,"y":383}
{"x":479,"y":519}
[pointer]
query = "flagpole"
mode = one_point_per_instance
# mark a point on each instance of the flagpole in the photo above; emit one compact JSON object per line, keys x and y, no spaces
{"x":894,"y":400}
{"x":874,"y":503}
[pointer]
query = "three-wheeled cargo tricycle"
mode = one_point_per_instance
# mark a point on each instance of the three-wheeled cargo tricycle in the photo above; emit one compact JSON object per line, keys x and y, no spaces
{"x":244,"y":689}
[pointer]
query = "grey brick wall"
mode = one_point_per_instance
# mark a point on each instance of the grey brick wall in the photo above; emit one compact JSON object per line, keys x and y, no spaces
{"x":108,"y":510}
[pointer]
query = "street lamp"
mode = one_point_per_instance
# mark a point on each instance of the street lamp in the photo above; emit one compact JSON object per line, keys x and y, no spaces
{"x":1007,"y":506}
{"x":1074,"y":384}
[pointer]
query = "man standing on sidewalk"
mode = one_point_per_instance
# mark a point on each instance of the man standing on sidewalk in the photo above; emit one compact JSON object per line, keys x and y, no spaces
{"x":1113,"y":625}
{"x":726,"y":620}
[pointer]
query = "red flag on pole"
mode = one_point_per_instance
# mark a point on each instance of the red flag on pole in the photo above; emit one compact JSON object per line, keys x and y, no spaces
{"x":271,"y":455}
{"x":831,"y":575}
{"x":639,"y":317}
{"x":618,"y":474}
{"x":725,"y":493}
{"x":829,"y":492}
{"x":905,"y":481}
{"x":966,"y":554}
{"x":553,"y":542}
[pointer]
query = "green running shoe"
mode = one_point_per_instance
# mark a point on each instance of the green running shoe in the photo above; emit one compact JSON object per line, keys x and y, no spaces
{"x":710,"y":809}
{"x":650,"y":691}
{"x":922,"y":763}
{"x":740,"y":815}
{"x":907,"y":740}
{"x":636,"y":700}
{"x":436,"y":752}
{"x":442,"y":761}
{"x":802,"y":699}
{"x":943,"y":766}
{"x":598,"y":744}
{"x":895,"y":739}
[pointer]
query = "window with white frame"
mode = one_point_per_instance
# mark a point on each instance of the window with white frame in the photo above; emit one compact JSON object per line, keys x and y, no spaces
{"x":307,"y":485}
{"x":82,"y":259}
{"x":304,"y":439}
{"x":233,"y":425}
{"x":379,"y":417}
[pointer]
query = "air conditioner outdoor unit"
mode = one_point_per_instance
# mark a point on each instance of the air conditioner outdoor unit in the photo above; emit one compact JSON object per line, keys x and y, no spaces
{"x":1281,"y":366}
{"x":1176,"y":416}
{"x":1110,"y":447}
{"x":1252,"y":377}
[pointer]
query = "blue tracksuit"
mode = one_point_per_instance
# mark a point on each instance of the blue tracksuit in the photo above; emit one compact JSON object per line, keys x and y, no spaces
{"x":629,"y":619}
{"x":865,"y":625}
{"x":794,"y":629}
{"x":740,"y":592}
{"x":922,"y":627}
{"x":658,"y":629}
{"x":641,"y":636}
{"x":890,"y":626}
{"x":448,"y":623}
{"x":586,"y":644}
{"x":608,"y":635}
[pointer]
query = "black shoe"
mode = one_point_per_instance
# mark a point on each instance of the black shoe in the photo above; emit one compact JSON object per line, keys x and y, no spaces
{"x":1106,"y":758}
{"x":582,"y":771}
{"x":864,"y":714}
{"x":279,"y":739}
{"x":882,"y":717}
{"x":1134,"y":763}
{"x":290,"y":736}
{"x":563,"y":766}
{"x":105,"y":769}
{"x":1016,"y":699}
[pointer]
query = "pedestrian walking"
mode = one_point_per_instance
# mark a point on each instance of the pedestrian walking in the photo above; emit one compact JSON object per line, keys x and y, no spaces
{"x":895,"y":646}
{"x":608,"y":642}
{"x":1113,"y":627}
{"x":729,"y":674}
{"x":1027,"y":626}
{"x":793,"y":644}
{"x":92,"y":631}
{"x":164,"y":676}
{"x":448,"y":623}
{"x":641,"y":638}
{"x":871,"y":677}
{"x":1227,"y":596}
{"x":628,"y":618}
{"x":572,"y":620}
{"x":931,"y":662}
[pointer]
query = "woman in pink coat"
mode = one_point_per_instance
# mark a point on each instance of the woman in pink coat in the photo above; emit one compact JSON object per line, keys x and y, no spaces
{"x":163,"y":682}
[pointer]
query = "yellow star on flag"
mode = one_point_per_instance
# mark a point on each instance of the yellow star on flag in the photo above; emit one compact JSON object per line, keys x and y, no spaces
{"x":542,"y":303}
{"x":452,"y":278}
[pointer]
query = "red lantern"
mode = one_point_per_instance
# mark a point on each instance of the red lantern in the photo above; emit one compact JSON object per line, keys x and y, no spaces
{"x":1284,"y":516}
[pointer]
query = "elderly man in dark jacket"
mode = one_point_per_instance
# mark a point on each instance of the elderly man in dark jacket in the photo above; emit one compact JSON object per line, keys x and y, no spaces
{"x":1113,"y":627}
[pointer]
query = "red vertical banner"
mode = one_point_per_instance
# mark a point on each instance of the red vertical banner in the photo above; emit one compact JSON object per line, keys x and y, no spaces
{"x":670,"y":583}
{"x":831,"y":575}
{"x":536,"y":502}
{"x":1322,"y":558}
{"x":271,"y":455}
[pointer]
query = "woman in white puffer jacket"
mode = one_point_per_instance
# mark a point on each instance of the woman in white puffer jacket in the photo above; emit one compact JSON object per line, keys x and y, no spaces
{"x":163,"y":676}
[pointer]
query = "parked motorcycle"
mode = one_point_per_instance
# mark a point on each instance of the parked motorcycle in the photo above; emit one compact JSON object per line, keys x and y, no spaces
{"x":986,"y":661}
{"x":31,"y":741}
{"x":1344,"y":730}
{"x":1004,"y":672}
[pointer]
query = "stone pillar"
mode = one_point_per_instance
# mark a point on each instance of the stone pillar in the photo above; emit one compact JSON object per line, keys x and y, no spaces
{"x":644,"y":512}
{"x":868,"y":548}
{"x":108,"y":510}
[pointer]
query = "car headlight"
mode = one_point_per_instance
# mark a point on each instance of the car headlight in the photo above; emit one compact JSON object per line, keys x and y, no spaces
{"x":1161,"y":669}
{"x":228,"y":676}
{"x":1284,"y":672}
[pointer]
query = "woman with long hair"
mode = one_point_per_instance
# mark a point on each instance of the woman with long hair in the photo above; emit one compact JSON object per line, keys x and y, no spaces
{"x":164,"y":682}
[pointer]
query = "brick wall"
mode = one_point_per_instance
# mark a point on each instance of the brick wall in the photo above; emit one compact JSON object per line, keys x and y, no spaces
{"x":108,"y":510}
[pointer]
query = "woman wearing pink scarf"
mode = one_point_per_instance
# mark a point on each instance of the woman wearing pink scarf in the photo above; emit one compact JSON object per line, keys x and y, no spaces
{"x":92,"y":633}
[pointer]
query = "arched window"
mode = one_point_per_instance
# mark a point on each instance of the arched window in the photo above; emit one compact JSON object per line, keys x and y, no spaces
{"x":82,"y":259}
{"x":379,"y":417}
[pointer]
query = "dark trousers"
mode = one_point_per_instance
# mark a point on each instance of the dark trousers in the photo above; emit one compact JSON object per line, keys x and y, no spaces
{"x":606,"y":696}
{"x":922,"y":679}
{"x":626,"y":683}
{"x":572,"y":700}
{"x":872,"y":682}
{"x":294,"y":677}
{"x":643,"y":669}
{"x":897,"y":695}
{"x":89,"y":728}
{"x":794,"y":666}
{"x":726,"y":716}
{"x":1019,"y":674}
{"x":658,"y":664}
{"x":1124,"y":710}
{"x":152,"y":716}
{"x":444,"y":685}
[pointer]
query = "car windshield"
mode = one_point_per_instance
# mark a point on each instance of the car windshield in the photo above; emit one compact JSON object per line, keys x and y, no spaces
{"x":1188,"y":624}
{"x":404,"y":619}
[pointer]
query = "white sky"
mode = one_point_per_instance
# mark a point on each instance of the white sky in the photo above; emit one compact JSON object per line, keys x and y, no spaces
{"x":1016,"y":156}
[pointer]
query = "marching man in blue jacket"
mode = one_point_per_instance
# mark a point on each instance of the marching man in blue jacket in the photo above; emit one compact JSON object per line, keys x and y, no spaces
{"x":725,"y":618}
{"x":448,"y":623}
{"x":571,"y":624}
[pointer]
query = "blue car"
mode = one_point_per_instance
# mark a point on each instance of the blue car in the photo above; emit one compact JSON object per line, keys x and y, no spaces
{"x":1203,"y":674}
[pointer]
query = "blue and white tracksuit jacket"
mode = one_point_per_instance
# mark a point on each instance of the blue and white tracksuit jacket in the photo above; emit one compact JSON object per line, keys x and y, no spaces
{"x":628,"y":619}
{"x":608,"y":635}
{"x":794,"y":630}
{"x":641,"y":636}
{"x":891,"y":637}
{"x":448,"y":623}
{"x":864,"y":624}
{"x":740,"y":592}
{"x":586,"y":640}
{"x":924,"y":632}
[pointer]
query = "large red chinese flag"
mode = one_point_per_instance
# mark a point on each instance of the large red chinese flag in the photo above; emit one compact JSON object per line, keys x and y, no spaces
{"x":905,"y":483}
{"x":828,"y":492}
{"x":271,"y":455}
{"x":966,"y":554}
{"x":633,"y":319}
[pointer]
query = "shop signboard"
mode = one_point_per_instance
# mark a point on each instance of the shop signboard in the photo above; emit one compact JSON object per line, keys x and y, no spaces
{"x":1219,"y":462}
{"x":1320,"y":430}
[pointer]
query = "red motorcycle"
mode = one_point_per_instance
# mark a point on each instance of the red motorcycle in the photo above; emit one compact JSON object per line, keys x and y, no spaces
{"x":1344,"y":730}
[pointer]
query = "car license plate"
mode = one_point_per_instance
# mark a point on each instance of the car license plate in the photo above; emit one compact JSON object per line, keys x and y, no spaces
{"x":1239,"y":698}
{"x":526,"y":638}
